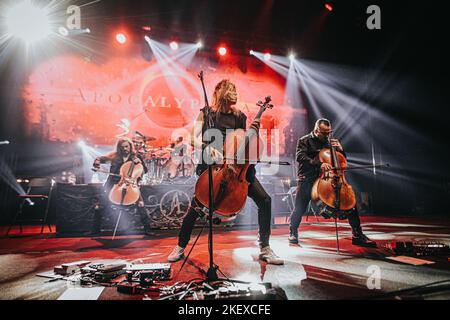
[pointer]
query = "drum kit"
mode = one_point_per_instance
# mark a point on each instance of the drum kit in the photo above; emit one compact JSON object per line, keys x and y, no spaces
{"x":172,"y":164}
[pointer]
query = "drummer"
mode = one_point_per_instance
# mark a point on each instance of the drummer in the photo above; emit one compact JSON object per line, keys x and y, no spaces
{"x":179,"y":148}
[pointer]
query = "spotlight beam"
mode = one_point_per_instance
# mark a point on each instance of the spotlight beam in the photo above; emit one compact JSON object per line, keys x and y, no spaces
{"x":8,"y":177}
{"x":169,"y":67}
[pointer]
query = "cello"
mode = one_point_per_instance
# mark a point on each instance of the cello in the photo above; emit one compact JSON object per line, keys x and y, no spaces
{"x":230,"y":187}
{"x":331,"y":194}
{"x":126,"y":191}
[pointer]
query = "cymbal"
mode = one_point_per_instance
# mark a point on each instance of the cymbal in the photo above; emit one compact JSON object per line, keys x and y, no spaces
{"x":160,"y":150}
{"x":144,"y":139}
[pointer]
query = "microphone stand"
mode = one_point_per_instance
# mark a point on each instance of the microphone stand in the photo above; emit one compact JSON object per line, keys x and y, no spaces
{"x":211,"y":274}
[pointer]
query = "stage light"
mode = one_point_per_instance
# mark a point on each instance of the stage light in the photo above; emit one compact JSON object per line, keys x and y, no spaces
{"x":146,"y":28}
{"x":81,"y":144}
{"x":87,"y":30}
{"x":328,"y":7}
{"x":199,"y":44}
{"x":121,"y":38}
{"x":222,"y":51}
{"x":252,"y":52}
{"x":4,"y":142}
{"x":28,"y":22}
{"x":292,"y":56}
{"x":173,"y":45}
{"x":147,"y":38}
{"x":63,"y":31}
{"x":267,"y":56}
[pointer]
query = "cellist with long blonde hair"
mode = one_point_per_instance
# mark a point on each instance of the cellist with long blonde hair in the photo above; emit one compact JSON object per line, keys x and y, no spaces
{"x":225,"y":117}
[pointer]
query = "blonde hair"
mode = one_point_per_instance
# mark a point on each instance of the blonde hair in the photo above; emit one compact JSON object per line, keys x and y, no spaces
{"x":220,"y":100}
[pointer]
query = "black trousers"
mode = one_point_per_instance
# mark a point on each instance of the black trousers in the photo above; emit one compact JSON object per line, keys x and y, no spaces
{"x":262,"y":200}
{"x":301,"y":204}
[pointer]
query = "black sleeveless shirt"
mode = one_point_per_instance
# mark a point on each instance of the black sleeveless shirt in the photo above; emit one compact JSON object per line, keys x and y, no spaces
{"x":224,"y":121}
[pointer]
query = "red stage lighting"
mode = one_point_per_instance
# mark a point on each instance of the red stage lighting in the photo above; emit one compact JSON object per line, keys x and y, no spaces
{"x":222,"y":51}
{"x":328,"y":7}
{"x":121,"y":38}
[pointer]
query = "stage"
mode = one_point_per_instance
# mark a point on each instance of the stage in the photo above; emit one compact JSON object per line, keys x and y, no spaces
{"x":312,"y":270}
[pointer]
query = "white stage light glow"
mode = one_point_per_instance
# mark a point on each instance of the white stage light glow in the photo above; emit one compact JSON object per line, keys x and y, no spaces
{"x":121,"y":38}
{"x":28,"y":22}
{"x":63,"y":31}
{"x":174,"y":45}
{"x":222,"y":51}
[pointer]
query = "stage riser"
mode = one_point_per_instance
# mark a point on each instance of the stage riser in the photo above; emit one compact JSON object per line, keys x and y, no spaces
{"x":77,"y":205}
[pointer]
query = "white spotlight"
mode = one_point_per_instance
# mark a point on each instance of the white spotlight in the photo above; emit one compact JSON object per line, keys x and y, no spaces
{"x":222,"y":51}
{"x":63,"y":31}
{"x":87,"y":30}
{"x":267,"y":56}
{"x":252,"y":52}
{"x":81,"y":144}
{"x":121,"y":38}
{"x":292,"y":56}
{"x":199,"y":44}
{"x":174,"y":45}
{"x":147,"y":38}
{"x":28,"y":22}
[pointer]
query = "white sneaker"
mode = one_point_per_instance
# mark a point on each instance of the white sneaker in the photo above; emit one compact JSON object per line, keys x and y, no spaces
{"x":176,"y":254}
{"x":269,"y":256}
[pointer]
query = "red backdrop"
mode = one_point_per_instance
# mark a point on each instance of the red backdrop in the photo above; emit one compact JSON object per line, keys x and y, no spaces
{"x":69,"y":98}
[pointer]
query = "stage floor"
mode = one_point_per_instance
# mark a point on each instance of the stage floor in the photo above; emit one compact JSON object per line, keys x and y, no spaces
{"x":312,"y":270}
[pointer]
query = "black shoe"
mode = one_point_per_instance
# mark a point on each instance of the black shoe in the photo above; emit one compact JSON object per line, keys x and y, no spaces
{"x":362,"y":241}
{"x":293,"y":239}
